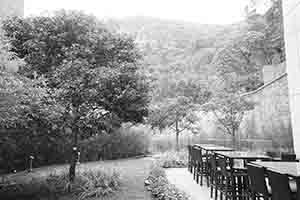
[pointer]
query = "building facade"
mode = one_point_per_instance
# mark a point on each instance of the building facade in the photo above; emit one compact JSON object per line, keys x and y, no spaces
{"x":291,"y":15}
{"x":11,"y":8}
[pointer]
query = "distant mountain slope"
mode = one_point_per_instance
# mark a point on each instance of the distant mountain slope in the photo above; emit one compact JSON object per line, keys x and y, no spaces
{"x":174,"y":51}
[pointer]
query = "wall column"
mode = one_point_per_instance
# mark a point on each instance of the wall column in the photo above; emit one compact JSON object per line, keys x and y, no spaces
{"x":291,"y":13}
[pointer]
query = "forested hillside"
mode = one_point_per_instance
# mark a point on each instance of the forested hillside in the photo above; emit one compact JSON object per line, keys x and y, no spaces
{"x":187,"y":53}
{"x":193,"y":64}
{"x":175,"y":53}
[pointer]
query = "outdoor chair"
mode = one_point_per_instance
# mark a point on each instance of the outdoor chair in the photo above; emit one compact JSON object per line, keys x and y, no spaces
{"x":258,"y":187}
{"x":233,"y":181}
{"x":282,"y":187}
{"x":194,"y":162}
{"x":215,"y":177}
{"x":202,"y":169}
{"x":189,"y":147}
{"x":288,"y":157}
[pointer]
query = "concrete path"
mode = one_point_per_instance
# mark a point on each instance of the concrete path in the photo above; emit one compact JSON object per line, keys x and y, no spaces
{"x":183,"y":180}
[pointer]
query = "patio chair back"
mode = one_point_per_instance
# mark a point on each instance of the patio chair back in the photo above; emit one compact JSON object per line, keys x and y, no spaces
{"x":257,"y":180}
{"x":213,"y":162}
{"x":280,"y":186}
{"x":223,"y":164}
{"x":193,"y":154}
{"x":288,"y":157}
{"x":190,"y":165}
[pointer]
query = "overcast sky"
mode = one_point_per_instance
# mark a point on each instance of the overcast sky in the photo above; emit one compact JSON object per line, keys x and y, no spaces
{"x":201,"y":11}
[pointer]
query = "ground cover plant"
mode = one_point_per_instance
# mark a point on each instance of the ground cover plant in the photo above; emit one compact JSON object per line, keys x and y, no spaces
{"x":101,"y":182}
{"x":160,"y":187}
{"x":172,"y":159}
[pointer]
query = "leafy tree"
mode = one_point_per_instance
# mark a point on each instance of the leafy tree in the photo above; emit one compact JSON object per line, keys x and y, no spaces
{"x":27,"y":111}
{"x":235,"y":62}
{"x":179,"y":114}
{"x":274,"y":44}
{"x":229,"y":110}
{"x":175,"y":105}
{"x":92,"y":73}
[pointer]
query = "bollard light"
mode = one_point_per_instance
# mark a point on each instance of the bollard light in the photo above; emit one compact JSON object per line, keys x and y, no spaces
{"x":78,"y":157}
{"x":31,"y":158}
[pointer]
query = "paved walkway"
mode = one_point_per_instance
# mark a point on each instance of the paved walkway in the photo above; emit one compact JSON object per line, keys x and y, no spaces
{"x":183,"y":180}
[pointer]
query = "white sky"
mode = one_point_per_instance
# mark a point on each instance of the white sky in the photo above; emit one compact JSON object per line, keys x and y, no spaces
{"x":202,"y":11}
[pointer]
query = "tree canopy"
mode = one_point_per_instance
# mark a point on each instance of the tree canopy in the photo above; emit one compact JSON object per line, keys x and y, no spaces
{"x":83,"y":62}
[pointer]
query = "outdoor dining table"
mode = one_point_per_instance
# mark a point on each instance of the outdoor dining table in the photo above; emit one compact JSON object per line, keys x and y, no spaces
{"x":291,"y":169}
{"x":212,"y":147}
{"x":238,"y":159}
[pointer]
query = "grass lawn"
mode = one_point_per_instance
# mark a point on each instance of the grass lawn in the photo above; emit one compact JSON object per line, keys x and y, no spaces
{"x":133,"y":171}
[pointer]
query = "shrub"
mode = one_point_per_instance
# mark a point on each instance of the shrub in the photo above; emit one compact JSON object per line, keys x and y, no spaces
{"x":167,"y":141}
{"x":160,"y":187}
{"x":124,"y":143}
{"x":18,"y":145}
{"x":173,"y":159}
{"x":97,"y":183}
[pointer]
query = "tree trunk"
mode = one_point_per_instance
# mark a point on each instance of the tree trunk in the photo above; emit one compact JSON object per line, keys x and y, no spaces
{"x":177,"y":135}
{"x":72,"y":169}
{"x":234,"y":145}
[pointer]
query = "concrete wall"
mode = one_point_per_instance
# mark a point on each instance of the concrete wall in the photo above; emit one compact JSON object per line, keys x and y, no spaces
{"x":271,"y":117}
{"x":271,"y":72}
{"x":291,"y":13}
{"x":11,"y":8}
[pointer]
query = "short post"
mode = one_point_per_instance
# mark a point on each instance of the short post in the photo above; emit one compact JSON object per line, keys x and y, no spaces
{"x":30,"y":163}
{"x":78,"y":157}
{"x":73,"y":163}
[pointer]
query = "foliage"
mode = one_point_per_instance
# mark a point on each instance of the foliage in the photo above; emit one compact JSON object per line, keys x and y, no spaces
{"x":91,"y":68}
{"x":178,"y":111}
{"x":258,"y":42}
{"x":97,"y":183}
{"x":27,"y":110}
{"x":123,"y":143}
{"x":274,"y":47}
{"x":166,"y":142}
{"x":9,"y":62}
{"x":45,"y":42}
{"x":173,"y":159}
{"x":91,"y":73}
{"x":229,"y":110}
{"x":18,"y":145}
{"x":160,"y":187}
{"x":178,"y":114}
{"x":54,"y":147}
{"x":236,"y":64}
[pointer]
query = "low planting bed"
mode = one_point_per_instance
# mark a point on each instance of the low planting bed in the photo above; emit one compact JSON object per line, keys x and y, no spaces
{"x":88,"y":184}
{"x":172,"y":159}
{"x":160,"y":188}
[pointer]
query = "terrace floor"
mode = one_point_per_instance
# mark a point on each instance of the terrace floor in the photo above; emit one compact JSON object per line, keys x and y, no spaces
{"x":183,"y":180}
